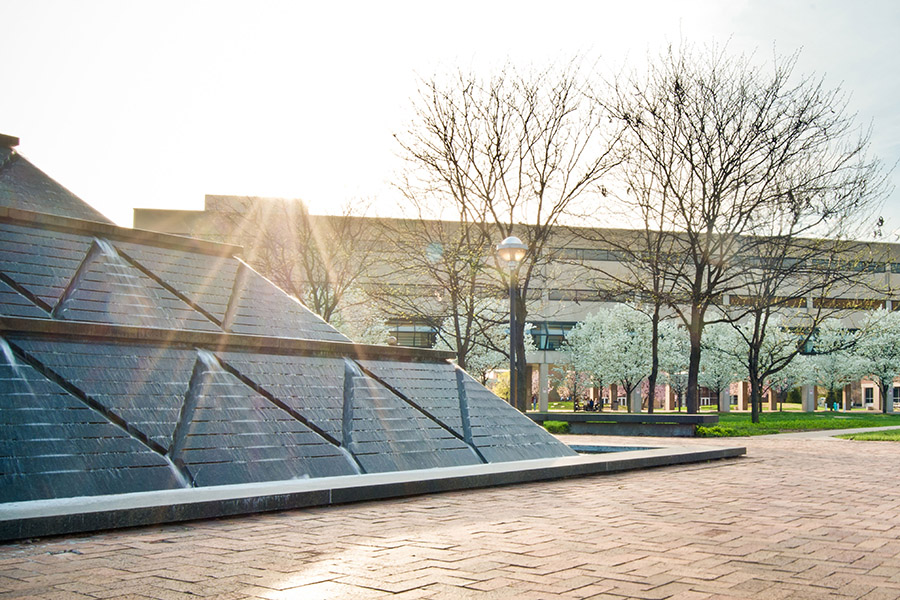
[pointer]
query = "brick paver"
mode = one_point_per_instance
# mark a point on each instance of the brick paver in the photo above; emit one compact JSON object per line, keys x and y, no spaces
{"x":795,"y":518}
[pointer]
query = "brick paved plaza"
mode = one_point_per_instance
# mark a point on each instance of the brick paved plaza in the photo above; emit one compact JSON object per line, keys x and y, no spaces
{"x":795,"y":518}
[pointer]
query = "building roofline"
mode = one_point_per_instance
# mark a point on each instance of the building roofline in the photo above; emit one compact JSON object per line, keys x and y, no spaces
{"x":79,"y":226}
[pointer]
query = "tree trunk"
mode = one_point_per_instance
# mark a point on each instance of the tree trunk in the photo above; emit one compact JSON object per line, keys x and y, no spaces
{"x":654,"y":357}
{"x":695,"y":330}
{"x":753,"y":372}
{"x":754,"y":399}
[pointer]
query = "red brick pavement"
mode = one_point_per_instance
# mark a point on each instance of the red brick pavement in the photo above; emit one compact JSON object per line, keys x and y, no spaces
{"x":795,"y":518}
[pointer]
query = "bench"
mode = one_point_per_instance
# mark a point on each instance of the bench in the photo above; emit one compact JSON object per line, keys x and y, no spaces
{"x":640,"y":424}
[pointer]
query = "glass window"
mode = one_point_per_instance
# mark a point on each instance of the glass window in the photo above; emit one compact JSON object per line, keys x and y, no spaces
{"x":549,"y":335}
{"x":415,"y":333}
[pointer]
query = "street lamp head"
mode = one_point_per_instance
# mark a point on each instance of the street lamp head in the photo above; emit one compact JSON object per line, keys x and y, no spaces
{"x":511,"y":250}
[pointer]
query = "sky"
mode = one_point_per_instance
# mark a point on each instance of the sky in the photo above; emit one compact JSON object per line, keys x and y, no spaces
{"x":132,"y":103}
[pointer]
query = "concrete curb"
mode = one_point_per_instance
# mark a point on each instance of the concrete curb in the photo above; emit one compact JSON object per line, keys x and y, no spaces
{"x":19,"y":520}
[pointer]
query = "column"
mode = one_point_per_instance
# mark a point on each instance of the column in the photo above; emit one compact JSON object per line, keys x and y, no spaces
{"x":889,"y":401}
{"x":743,"y":400}
{"x":876,"y":396}
{"x":808,"y":398}
{"x":635,"y":406}
{"x":529,"y":386}
{"x":773,"y":400}
{"x":725,"y":400}
{"x":543,"y":384}
{"x":670,"y":398}
{"x":847,"y":397}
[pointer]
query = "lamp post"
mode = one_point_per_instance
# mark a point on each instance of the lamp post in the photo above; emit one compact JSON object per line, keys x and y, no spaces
{"x":512,"y":251}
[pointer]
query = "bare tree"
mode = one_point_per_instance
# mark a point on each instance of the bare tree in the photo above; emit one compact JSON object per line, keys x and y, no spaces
{"x":437,"y":272}
{"x":317,"y":259}
{"x":510,"y":154}
{"x":721,"y":149}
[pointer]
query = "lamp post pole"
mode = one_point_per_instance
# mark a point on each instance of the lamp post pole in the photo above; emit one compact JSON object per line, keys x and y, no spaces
{"x":513,"y":379}
{"x":512,"y":251}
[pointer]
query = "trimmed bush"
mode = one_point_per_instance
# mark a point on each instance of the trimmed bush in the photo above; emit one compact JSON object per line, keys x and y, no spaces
{"x":556,"y":426}
{"x":715,"y":431}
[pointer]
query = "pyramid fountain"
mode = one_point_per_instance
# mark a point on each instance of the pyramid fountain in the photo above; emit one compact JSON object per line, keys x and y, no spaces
{"x":148,"y":378}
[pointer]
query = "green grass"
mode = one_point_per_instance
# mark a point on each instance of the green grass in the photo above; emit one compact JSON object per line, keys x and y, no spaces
{"x":563,"y":406}
{"x":739,"y":425}
{"x":891,"y":435}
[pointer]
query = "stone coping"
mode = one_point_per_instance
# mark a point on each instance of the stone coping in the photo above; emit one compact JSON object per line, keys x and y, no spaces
{"x":19,"y":520}
{"x":613,"y":417}
{"x":84,"y":331}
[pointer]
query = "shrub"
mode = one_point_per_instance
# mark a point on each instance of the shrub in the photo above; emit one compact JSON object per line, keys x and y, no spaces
{"x":715,"y":431}
{"x":556,"y":426}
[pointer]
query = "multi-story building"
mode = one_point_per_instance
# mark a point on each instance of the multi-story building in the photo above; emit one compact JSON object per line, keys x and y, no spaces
{"x":571,"y":283}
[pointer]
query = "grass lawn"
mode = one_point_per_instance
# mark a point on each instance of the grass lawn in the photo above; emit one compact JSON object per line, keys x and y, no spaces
{"x":739,"y":425}
{"x":891,"y":435}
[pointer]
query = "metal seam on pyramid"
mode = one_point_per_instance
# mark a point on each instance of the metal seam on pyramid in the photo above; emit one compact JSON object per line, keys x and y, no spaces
{"x":234,"y":300}
{"x":168,"y":287}
{"x":347,"y":410}
{"x":262,"y":391}
{"x":425,"y":412}
{"x":41,"y":261}
{"x":464,"y":412}
{"x":75,"y":280}
{"x":26,"y":293}
{"x":104,"y":275}
{"x":87,"y":400}
{"x":188,"y":406}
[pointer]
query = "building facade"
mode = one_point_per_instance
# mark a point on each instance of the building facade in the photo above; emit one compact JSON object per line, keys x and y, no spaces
{"x":578,"y":277}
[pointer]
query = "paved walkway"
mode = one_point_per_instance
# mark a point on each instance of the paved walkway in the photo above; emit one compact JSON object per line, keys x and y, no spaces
{"x":795,"y":518}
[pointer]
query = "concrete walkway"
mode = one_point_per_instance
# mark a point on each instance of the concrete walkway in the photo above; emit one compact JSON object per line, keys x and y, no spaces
{"x":796,"y":518}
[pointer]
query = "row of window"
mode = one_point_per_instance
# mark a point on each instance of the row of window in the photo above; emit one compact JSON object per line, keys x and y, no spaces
{"x":598,"y":254}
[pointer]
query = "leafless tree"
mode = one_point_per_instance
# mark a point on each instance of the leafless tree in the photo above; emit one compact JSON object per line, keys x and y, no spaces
{"x":509,"y":154}
{"x":317,"y":259}
{"x":721,"y":149}
{"x":437,"y":273}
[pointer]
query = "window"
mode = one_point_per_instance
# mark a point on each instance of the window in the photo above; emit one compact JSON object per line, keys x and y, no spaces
{"x":851,"y":303}
{"x":582,"y":254}
{"x":869,"y":394}
{"x":412,"y":332}
{"x":549,"y":335}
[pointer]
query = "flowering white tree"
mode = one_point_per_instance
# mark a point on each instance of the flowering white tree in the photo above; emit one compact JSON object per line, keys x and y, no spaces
{"x":780,"y":347}
{"x":613,"y":346}
{"x":797,"y":372}
{"x":719,"y":364}
{"x":627,"y":344}
{"x":585,"y":349}
{"x":835,"y":363}
{"x":674,"y":357}
{"x":879,"y":349}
